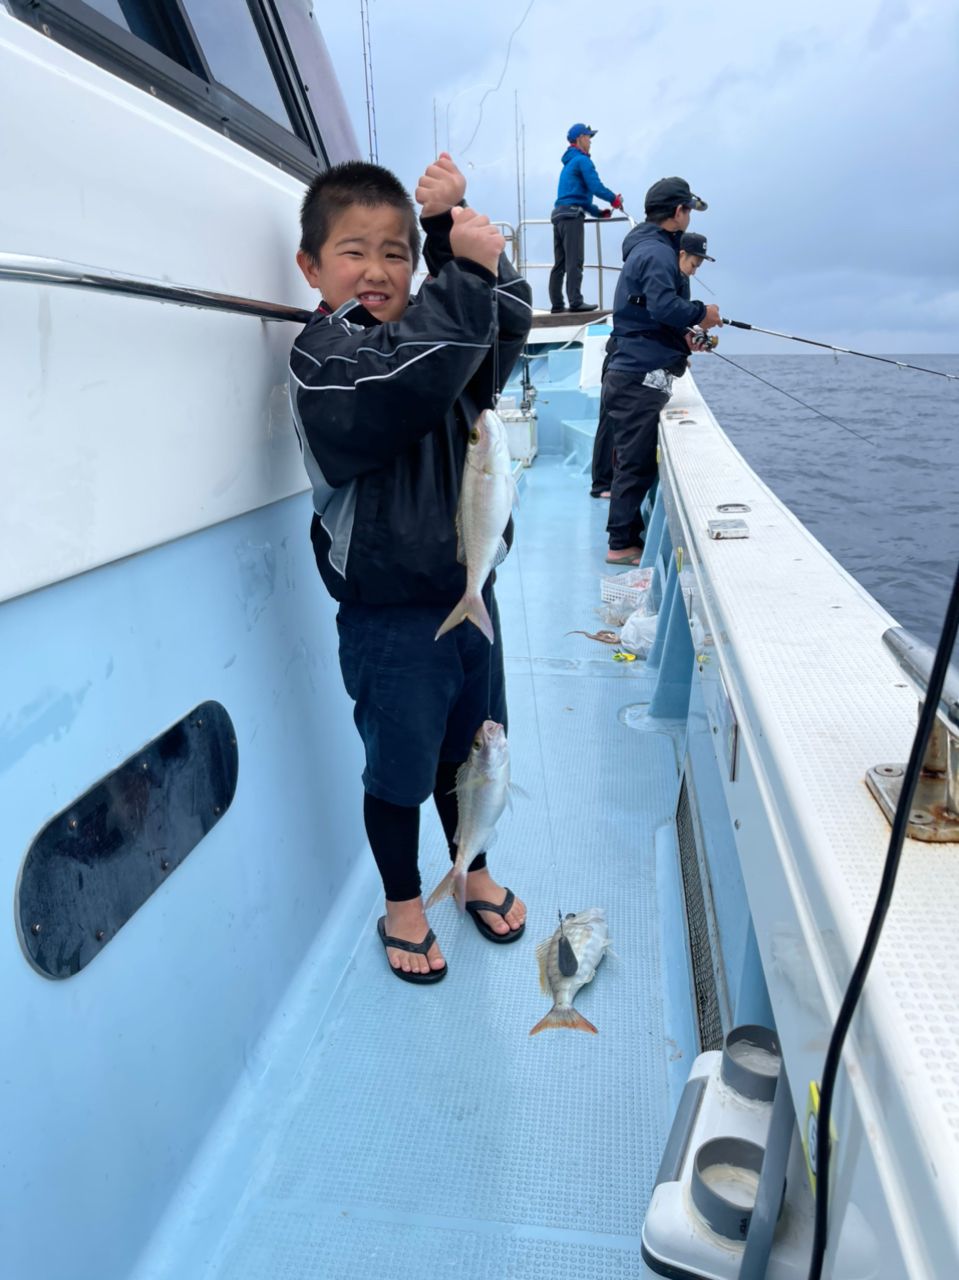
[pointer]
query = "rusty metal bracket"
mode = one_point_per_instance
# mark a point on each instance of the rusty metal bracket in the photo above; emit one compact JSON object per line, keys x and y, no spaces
{"x":935,"y":806}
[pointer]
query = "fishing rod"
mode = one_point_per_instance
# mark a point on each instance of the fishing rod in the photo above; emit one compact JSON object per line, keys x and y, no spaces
{"x":843,"y":351}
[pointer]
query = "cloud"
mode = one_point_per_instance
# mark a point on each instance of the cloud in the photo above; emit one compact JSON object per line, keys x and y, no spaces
{"x":818,"y":134}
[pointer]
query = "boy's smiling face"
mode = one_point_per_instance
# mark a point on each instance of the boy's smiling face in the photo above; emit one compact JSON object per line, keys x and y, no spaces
{"x":365,"y":256}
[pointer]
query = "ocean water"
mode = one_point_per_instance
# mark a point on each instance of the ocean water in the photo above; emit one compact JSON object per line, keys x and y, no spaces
{"x":886,"y":507}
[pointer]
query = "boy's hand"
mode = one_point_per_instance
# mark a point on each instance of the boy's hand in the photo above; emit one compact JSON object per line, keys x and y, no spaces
{"x":441,"y":187}
{"x":475,"y":238}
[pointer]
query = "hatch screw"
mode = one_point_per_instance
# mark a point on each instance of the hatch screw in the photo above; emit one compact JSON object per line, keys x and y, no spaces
{"x":889,"y":770}
{"x":217,"y":810}
{"x":45,"y":29}
{"x":920,"y":817}
{"x":144,"y":766}
{"x":165,"y":864}
{"x":35,"y":929}
{"x":72,"y":824}
{"x":100,"y":935}
{"x":199,"y":724}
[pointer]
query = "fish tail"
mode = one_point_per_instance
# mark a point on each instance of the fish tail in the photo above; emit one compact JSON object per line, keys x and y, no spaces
{"x":454,"y":883}
{"x":564,"y":1017}
{"x":471,"y":606}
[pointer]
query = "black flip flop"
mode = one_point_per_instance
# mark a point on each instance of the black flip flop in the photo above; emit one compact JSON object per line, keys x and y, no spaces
{"x":417,"y":948}
{"x":474,"y":908}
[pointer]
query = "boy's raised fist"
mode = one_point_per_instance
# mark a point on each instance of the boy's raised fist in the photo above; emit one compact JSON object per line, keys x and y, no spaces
{"x":441,"y":187}
{"x":474,"y":237}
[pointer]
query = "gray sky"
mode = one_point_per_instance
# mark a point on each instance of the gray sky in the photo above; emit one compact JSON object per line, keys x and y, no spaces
{"x":822,"y":135}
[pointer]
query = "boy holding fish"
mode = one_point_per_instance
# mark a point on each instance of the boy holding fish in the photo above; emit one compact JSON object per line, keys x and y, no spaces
{"x":388,"y":396}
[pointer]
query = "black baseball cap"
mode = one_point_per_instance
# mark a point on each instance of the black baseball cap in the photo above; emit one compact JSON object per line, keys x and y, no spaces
{"x":577,"y":130}
{"x":667,"y":193}
{"x":693,"y":242}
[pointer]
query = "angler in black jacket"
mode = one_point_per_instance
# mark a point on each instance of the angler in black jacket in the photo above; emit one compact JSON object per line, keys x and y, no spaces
{"x":384,"y":390}
{"x":652,"y":316}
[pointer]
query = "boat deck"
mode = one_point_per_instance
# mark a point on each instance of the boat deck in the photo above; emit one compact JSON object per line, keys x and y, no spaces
{"x":398,"y":1132}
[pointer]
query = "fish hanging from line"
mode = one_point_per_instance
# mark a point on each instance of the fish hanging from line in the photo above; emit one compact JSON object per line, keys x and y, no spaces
{"x":482,"y":792}
{"x":567,"y":961}
{"x":486,"y":499}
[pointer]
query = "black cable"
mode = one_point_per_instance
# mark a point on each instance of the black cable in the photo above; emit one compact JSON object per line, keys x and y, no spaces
{"x":927,"y":719}
{"x":743,"y":369}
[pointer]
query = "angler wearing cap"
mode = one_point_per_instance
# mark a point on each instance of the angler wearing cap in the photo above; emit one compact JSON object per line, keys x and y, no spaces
{"x":652,"y":316}
{"x":692,"y":254}
{"x":578,"y":183}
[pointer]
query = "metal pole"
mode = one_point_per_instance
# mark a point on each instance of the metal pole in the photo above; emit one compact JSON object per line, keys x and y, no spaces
{"x":599,"y":261}
{"x":765,"y":1215}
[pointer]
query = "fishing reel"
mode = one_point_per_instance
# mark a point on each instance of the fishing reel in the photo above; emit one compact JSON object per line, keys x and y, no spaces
{"x":703,"y":341}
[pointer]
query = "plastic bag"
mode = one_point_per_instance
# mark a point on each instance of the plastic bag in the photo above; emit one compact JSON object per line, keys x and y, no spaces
{"x":639,"y":632}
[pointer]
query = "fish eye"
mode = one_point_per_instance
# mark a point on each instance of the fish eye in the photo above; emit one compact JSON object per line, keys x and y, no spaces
{"x":474,"y":435}
{"x":570,"y":915}
{"x":477,"y":744}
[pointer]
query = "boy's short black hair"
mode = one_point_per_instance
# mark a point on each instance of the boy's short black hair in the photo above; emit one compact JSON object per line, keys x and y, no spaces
{"x":354,"y":182}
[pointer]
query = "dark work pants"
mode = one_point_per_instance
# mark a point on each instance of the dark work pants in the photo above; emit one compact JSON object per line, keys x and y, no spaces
{"x":568,"y":238}
{"x":632,"y":412}
{"x":602,"y":457}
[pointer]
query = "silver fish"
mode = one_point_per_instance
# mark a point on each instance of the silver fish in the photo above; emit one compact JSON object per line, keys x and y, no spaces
{"x":482,"y":790}
{"x":584,"y":939}
{"x":486,"y":498}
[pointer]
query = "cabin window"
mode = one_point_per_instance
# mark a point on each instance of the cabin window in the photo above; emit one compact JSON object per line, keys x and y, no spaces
{"x":236,"y":56}
{"x":232,"y":72}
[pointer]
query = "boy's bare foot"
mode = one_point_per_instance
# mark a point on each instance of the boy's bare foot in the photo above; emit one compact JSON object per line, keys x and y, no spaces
{"x":407,"y":920}
{"x":481,"y":887}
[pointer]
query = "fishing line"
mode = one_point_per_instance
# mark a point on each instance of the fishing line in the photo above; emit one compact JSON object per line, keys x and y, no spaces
{"x":843,"y":351}
{"x":819,"y":412}
{"x":493,"y":89}
{"x":927,"y":719}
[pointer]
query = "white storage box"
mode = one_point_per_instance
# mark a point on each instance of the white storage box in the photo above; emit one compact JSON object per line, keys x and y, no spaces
{"x":520,"y":432}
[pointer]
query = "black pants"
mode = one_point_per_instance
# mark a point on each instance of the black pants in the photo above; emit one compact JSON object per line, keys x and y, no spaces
{"x":568,"y":237}
{"x":632,"y":414}
{"x":602,"y":457}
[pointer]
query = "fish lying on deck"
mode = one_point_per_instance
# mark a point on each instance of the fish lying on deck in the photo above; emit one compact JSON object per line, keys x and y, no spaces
{"x":486,"y":498}
{"x":482,"y":790}
{"x":567,"y":961}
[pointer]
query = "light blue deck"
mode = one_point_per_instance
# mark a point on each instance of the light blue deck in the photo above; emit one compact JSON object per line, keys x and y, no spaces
{"x":400,"y":1132}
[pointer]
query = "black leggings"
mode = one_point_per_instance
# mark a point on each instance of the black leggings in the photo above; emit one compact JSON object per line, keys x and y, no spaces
{"x":393,"y":831}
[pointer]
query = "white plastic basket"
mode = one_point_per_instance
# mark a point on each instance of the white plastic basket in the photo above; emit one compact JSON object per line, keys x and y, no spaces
{"x":631,"y":588}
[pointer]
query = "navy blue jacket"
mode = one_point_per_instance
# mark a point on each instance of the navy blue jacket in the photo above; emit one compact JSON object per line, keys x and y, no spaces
{"x":578,"y":181}
{"x":651,"y":311}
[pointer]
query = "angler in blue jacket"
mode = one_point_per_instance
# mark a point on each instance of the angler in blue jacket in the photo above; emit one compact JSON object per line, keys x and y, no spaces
{"x":578,"y":183}
{"x":652,"y":319}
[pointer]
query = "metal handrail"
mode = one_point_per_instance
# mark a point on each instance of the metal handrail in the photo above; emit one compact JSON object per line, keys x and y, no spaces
{"x":22,"y":268}
{"x":524,"y":266}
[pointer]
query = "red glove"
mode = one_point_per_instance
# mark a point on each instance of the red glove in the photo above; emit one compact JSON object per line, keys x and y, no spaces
{"x":618,"y":202}
{"x":605,"y":213}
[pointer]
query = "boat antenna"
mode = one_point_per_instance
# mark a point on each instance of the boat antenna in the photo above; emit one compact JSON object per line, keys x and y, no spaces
{"x":927,"y":720}
{"x":493,"y":88}
{"x":810,"y":407}
{"x":368,"y":78}
{"x":843,"y":351}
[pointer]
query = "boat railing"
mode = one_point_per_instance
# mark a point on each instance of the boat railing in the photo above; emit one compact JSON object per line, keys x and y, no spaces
{"x":56,"y":271}
{"x":596,"y":267}
{"x":517,"y":240}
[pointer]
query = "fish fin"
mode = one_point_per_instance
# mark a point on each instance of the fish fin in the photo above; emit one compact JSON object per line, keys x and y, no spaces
{"x":472,"y":607}
{"x":500,"y":554}
{"x":568,"y":1017}
{"x":513,"y":491}
{"x":542,"y":957}
{"x":454,"y":882}
{"x":516,"y":790}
